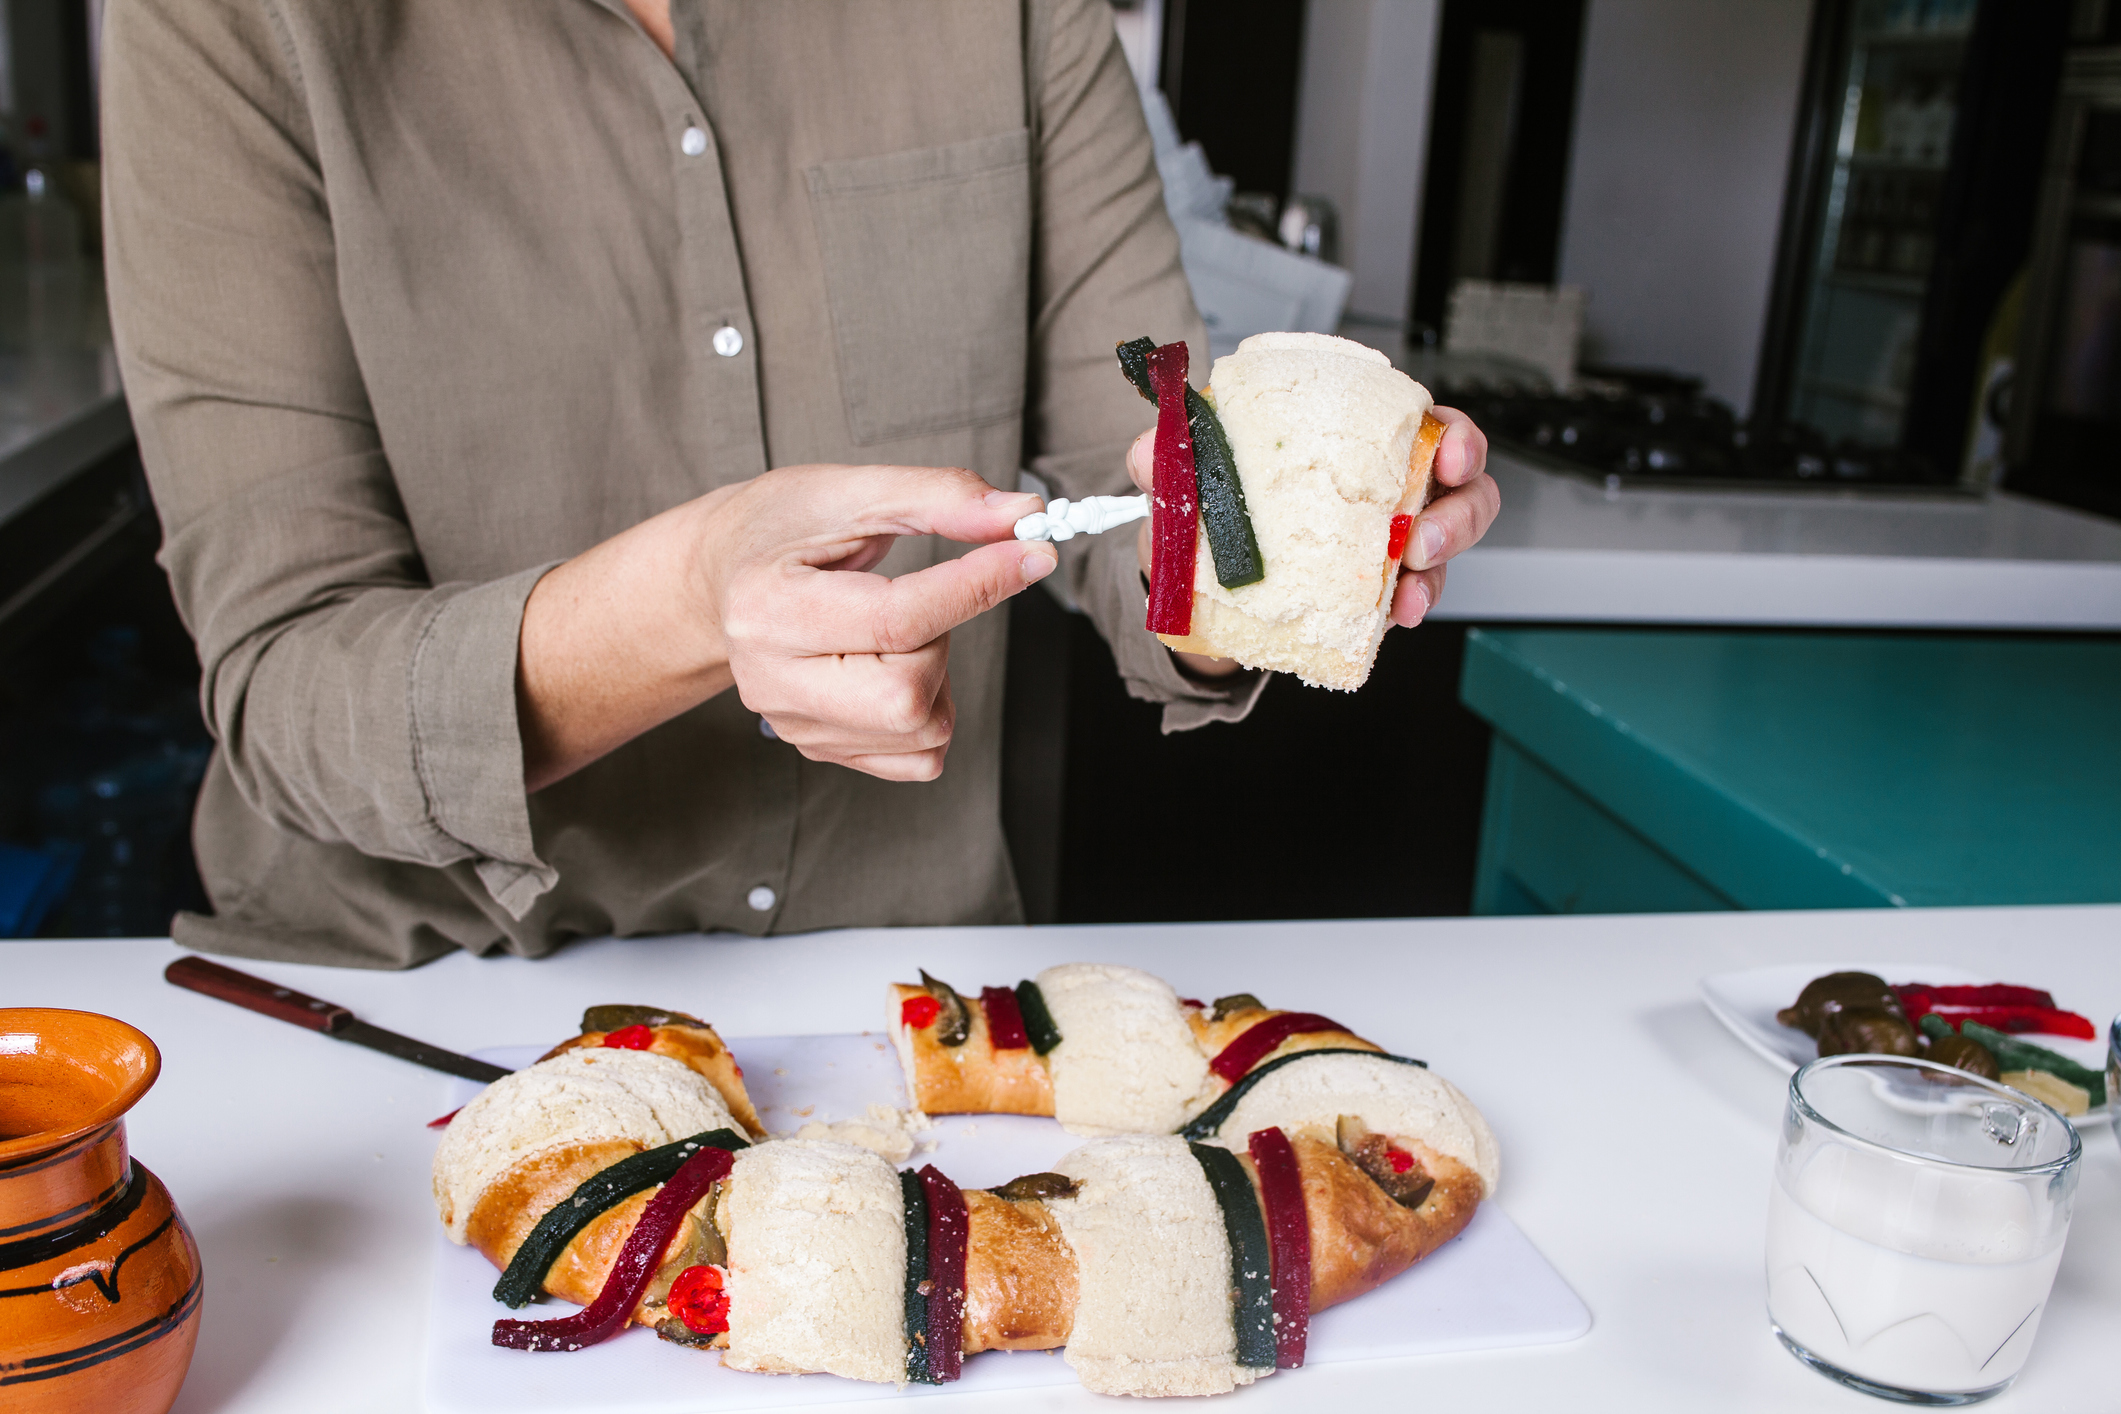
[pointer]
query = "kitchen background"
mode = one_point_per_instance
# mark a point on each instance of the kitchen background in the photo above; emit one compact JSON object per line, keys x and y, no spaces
{"x":1816,"y":303}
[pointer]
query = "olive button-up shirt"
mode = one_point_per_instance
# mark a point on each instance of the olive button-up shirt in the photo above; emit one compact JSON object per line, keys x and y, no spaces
{"x":417,"y":298}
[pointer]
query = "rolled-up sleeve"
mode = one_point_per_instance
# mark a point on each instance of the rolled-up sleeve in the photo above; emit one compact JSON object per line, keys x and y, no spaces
{"x":354,"y":701}
{"x":1107,"y":270}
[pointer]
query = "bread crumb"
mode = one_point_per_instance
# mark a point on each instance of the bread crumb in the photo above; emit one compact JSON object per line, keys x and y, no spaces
{"x":884,"y":1131}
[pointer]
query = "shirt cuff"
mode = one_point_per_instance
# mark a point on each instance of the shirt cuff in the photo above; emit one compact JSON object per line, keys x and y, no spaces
{"x":467,"y":745}
{"x":1114,"y":598}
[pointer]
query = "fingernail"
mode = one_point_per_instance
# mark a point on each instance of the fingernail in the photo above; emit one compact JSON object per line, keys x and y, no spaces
{"x":1421,"y":601}
{"x":1037,"y":564}
{"x":998,"y":499}
{"x":1430,"y":538}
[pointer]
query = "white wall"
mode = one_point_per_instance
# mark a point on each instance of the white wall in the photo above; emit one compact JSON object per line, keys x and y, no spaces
{"x":1683,"y":122}
{"x":1362,"y":136}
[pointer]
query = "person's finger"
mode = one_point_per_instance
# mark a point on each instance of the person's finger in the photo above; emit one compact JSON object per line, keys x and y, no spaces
{"x":864,"y":555}
{"x":1141,"y":461}
{"x":822,"y":513}
{"x":1417,"y":593}
{"x":1453,"y":522}
{"x":916,"y":756}
{"x":931,"y":500}
{"x":904,"y":614}
{"x":833,"y":741}
{"x":864,"y":701}
{"x":912,"y":766}
{"x":1463,"y":453}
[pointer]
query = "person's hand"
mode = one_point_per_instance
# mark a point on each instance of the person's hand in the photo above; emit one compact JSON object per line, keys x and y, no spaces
{"x":1449,"y":524}
{"x":767,"y":586}
{"x":848,"y":666}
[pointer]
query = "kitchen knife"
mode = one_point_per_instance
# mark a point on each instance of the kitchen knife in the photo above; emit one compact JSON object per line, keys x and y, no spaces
{"x":285,"y":1004}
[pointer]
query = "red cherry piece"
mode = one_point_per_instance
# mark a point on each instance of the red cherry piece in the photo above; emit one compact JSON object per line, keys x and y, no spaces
{"x":919,"y":1012}
{"x":630,"y":1038}
{"x":1402,"y":527}
{"x":1399,"y":1159}
{"x":697,"y":1299}
{"x":1192,"y":1002}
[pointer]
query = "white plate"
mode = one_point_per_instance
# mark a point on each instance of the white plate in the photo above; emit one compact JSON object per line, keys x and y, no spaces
{"x":1489,"y":1288}
{"x":1746,"y":1003}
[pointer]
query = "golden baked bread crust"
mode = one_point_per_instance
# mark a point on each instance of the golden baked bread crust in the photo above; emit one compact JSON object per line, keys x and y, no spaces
{"x":701,"y":1049}
{"x":1020,"y":1279}
{"x":512,"y":1204}
{"x":973,"y":1078}
{"x":1361,"y":1238}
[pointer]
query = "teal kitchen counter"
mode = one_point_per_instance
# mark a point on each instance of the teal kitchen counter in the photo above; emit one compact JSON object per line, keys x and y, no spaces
{"x":1662,"y":770}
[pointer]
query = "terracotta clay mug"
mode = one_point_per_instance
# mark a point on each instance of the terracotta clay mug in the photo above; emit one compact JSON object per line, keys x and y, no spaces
{"x":99,"y":1276}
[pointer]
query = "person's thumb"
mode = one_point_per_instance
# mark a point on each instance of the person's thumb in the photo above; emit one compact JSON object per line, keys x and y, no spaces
{"x":877,"y":615}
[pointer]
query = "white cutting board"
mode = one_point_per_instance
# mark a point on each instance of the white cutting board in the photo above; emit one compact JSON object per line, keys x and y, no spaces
{"x":1486,"y":1289}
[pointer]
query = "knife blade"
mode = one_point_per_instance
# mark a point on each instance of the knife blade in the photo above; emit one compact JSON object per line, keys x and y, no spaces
{"x":312,"y":1014}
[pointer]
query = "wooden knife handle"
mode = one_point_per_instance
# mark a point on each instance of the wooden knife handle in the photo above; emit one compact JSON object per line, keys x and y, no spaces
{"x":267,"y":998}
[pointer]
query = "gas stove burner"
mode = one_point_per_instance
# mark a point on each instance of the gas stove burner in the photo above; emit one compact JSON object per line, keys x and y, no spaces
{"x":1647,"y":427}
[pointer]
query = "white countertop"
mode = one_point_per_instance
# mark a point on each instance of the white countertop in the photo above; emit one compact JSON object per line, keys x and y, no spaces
{"x":1636,"y":1134}
{"x":1566,"y":549}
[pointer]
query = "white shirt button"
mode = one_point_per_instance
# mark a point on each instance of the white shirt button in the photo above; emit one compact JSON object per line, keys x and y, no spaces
{"x":728,"y":341}
{"x":762,"y":899}
{"x":694,"y":142}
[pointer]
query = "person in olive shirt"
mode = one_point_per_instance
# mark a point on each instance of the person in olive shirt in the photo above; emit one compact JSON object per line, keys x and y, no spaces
{"x":516,"y":379}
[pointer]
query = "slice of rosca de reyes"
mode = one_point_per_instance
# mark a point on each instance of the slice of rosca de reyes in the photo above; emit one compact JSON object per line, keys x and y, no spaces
{"x":1334,"y":448}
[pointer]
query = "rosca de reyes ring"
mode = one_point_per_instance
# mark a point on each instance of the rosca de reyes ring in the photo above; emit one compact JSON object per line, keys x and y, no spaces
{"x":1250,"y":1166}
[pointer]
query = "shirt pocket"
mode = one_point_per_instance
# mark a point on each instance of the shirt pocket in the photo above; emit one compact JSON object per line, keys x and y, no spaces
{"x":927,"y":263}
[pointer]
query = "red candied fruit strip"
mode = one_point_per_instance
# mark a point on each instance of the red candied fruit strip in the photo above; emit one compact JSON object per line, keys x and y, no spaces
{"x":1998,"y":1004}
{"x":634,"y":1269}
{"x":949,"y":1234}
{"x":1005,"y":1019}
{"x":631,"y":1038}
{"x":919,"y":1012}
{"x":1402,"y":527}
{"x":1987,"y":994}
{"x":1253,"y":1043}
{"x":698,"y":1300}
{"x":1281,"y":1191}
{"x":443,"y":1122}
{"x":2020,"y":1019}
{"x":1399,"y":1159}
{"x":1174,"y":523}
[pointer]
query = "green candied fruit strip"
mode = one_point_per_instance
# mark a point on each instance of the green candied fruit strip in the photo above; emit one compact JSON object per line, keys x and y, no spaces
{"x":1222,"y":499}
{"x":916,"y":1200}
{"x":1205,"y":1124}
{"x":1038,"y":1022}
{"x":1134,"y":362}
{"x":605,"y":1189}
{"x":1251,"y":1263}
{"x":1232,"y":544}
{"x":2014,"y":1054}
